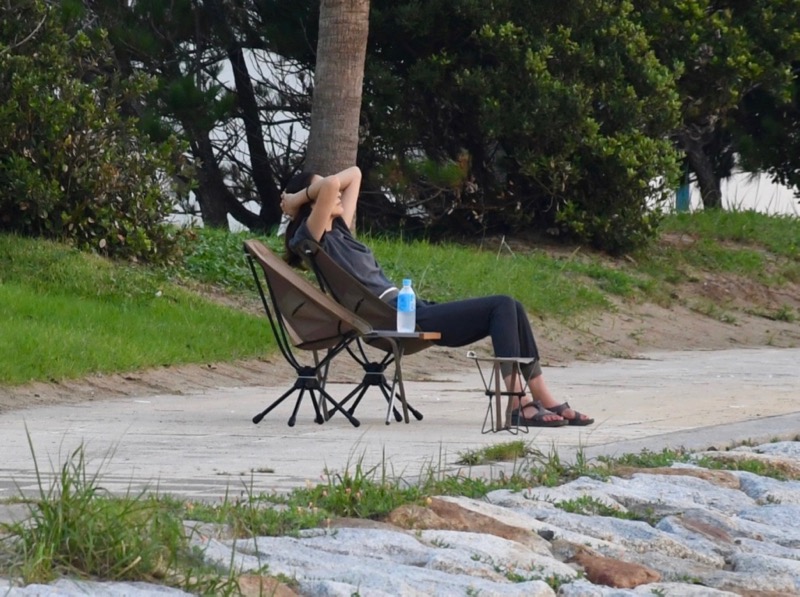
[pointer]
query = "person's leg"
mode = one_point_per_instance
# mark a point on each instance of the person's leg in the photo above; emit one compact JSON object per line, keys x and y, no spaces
{"x":541,"y":393}
{"x":536,"y":384}
{"x":500,"y":317}
{"x":528,"y":409}
{"x":505,"y":321}
{"x":466,"y":321}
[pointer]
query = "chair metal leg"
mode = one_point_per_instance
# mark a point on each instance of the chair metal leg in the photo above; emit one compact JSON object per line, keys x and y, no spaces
{"x":311,"y":384}
{"x":337,"y":406}
{"x":357,"y":392}
{"x":387,"y":390}
{"x":397,"y":383}
{"x":318,"y":407}
{"x":498,"y":418}
{"x":257,"y":419}
{"x":293,"y":418}
{"x":374,"y":375}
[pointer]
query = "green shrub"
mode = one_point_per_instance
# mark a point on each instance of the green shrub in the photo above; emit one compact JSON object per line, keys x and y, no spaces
{"x":73,"y":166}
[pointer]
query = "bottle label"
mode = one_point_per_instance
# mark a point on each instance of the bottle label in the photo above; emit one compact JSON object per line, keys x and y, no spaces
{"x":406,"y":302}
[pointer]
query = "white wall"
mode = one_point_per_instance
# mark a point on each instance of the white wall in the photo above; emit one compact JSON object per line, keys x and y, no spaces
{"x":745,"y":191}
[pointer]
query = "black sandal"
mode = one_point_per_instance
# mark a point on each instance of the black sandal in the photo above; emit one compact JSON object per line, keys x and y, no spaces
{"x":537,"y":420}
{"x":578,"y":420}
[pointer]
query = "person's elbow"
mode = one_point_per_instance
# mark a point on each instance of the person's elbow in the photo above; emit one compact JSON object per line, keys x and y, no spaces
{"x":331,"y":183}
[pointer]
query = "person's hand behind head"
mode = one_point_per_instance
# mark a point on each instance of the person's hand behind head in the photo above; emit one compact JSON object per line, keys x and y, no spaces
{"x":296,"y":193}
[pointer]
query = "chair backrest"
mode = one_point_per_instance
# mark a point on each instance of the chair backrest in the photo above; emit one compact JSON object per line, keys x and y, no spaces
{"x":353,"y":295}
{"x":345,"y":289}
{"x":310,"y":319}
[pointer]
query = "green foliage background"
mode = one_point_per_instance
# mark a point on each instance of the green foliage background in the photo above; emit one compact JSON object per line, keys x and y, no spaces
{"x":561,"y":115}
{"x":73,"y":165}
{"x":572,"y":121}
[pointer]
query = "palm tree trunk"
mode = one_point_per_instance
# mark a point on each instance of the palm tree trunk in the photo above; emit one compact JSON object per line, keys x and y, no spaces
{"x":338,"y":80}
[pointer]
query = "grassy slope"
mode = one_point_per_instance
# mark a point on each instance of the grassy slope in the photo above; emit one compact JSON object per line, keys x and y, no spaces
{"x":64,"y":314}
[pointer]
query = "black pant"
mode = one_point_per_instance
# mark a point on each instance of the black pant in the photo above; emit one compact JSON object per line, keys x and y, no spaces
{"x":466,"y":321}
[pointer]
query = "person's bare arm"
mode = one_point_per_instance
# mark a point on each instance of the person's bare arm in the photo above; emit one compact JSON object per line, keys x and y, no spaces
{"x":292,"y":202}
{"x":325,"y":194}
{"x":350,"y":180}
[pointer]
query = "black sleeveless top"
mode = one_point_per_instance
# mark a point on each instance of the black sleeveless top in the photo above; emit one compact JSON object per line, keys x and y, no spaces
{"x":354,"y":256}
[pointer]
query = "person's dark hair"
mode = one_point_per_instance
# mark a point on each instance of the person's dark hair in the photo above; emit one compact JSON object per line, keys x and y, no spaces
{"x":297,"y":183}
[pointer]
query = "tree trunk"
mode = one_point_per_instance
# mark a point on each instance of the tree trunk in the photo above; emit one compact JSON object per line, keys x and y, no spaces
{"x":261,"y":166}
{"x":338,"y":80}
{"x":268,"y":191}
{"x":709,"y":183}
{"x":215,"y":198}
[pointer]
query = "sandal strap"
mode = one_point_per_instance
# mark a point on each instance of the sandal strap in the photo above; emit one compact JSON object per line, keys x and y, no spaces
{"x":560,"y":408}
{"x":540,"y":410}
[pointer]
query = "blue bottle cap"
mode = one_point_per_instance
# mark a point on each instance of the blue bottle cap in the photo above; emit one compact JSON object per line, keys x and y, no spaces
{"x":406,"y":281}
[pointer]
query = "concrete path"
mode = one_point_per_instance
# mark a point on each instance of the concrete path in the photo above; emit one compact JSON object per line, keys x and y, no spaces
{"x":204,"y":446}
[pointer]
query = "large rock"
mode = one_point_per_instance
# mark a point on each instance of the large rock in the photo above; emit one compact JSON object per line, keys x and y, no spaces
{"x":786,"y":449}
{"x":651,"y":496}
{"x":343,"y":561}
{"x":602,"y":570}
{"x":460,"y":550}
{"x":535,"y":515}
{"x":721,"y":478}
{"x":766,"y":490}
{"x":754,"y":564}
{"x":777,"y":523}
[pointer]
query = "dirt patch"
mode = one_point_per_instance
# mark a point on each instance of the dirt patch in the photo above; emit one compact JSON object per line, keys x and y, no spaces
{"x":712,"y":312}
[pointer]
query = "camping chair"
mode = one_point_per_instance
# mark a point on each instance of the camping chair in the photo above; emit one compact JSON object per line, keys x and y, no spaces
{"x":350,"y":293}
{"x":302,"y":318}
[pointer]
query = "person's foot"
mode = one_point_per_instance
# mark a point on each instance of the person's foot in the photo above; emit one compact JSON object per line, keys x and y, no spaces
{"x":531,"y":410}
{"x":533,"y":415}
{"x":570,"y":414}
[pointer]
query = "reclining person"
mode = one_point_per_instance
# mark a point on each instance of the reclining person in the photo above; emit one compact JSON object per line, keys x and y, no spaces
{"x":323,"y":209}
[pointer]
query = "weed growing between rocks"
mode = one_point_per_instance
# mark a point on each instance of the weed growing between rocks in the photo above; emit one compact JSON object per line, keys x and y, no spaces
{"x":750,"y":465}
{"x":647,"y":459}
{"x":713,"y":459}
{"x":75,"y":528}
{"x":508,"y":451}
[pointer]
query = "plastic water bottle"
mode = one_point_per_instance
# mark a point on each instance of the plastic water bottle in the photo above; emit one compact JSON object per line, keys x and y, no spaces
{"x":406,"y":308}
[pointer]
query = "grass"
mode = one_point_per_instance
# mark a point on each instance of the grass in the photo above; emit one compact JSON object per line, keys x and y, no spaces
{"x":507,"y":451}
{"x":215,"y":257}
{"x":66,"y":314}
{"x":547,"y":287}
{"x":750,"y":244}
{"x":776,"y":234}
{"x":648,"y":459}
{"x":755,"y":246}
{"x":75,"y":529}
{"x":750,"y":465}
{"x":591,"y":506}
